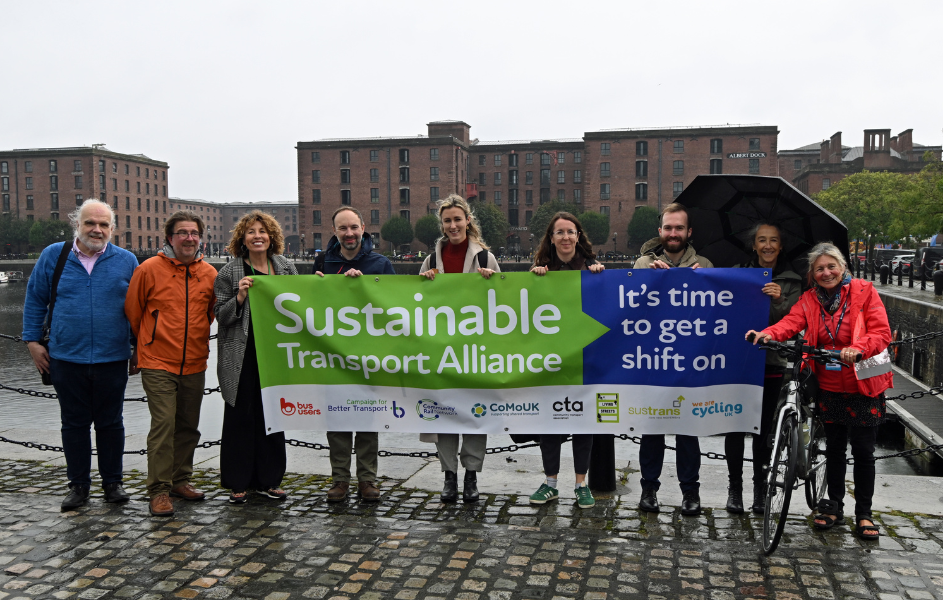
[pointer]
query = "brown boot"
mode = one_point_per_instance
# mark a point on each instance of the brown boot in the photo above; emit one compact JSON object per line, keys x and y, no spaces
{"x":369,"y":492}
{"x":162,"y":506}
{"x":338,"y":491}
{"x":187,"y":492}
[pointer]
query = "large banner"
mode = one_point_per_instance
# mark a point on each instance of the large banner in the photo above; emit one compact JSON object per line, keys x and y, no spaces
{"x":628,"y":351}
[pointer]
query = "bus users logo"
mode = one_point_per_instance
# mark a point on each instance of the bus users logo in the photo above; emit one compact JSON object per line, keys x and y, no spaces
{"x":479,"y":410}
{"x":607,"y":408}
{"x":398,"y":411}
{"x":288,"y":408}
{"x":429,"y":410}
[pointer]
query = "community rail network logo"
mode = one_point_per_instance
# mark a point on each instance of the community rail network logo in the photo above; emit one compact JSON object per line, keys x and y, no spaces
{"x":430,"y":410}
{"x":479,"y":410}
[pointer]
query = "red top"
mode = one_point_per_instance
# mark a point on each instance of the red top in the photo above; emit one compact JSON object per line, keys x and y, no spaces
{"x":453,"y":257}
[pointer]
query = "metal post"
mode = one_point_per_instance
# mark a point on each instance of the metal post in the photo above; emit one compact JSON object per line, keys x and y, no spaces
{"x":938,"y":283}
{"x":910,"y":275}
{"x":602,"y":463}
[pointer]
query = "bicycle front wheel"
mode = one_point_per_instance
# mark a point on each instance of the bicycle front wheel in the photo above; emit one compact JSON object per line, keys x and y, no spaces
{"x":815,"y":478}
{"x":779,"y":482}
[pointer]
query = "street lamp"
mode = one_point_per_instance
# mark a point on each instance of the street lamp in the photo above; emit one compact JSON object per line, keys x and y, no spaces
{"x":302,"y":246}
{"x":615,"y":247}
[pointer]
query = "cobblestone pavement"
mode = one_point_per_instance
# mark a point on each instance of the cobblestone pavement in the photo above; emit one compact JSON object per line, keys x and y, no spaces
{"x":409,"y":546}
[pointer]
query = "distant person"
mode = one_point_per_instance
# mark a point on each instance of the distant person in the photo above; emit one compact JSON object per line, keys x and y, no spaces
{"x":671,"y":249}
{"x":783,"y":291}
{"x":88,"y":348}
{"x":350,"y":253}
{"x":250,"y":458}
{"x":460,"y":250}
{"x":841,"y":313}
{"x":170,"y":306}
{"x":565,"y":247}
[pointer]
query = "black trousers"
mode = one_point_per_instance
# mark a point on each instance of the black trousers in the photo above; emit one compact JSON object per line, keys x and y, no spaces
{"x":249,"y":459}
{"x":862,"y":441}
{"x":733,"y":442}
{"x":550,"y":452}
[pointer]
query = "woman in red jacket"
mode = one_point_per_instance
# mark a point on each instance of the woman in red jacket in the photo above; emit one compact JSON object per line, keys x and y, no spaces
{"x":841,"y":313}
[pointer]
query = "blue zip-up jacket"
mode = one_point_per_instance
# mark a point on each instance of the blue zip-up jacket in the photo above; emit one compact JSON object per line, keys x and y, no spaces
{"x":88,"y":324}
{"x":367,"y":261}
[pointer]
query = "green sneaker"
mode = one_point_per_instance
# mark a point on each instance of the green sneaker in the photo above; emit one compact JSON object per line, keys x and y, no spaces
{"x":584,"y":497}
{"x":544,"y":494}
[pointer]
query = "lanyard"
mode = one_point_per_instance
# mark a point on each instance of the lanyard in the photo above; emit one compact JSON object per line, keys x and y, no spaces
{"x":270,"y":269}
{"x":840,"y":319}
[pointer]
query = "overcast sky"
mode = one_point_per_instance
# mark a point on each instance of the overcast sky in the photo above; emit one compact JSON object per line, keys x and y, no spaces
{"x":223,"y":91}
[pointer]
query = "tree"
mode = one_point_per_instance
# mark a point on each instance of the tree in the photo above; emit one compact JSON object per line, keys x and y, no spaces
{"x":494,"y":224}
{"x":642,"y":227}
{"x":14,"y":234}
{"x":428,"y":230}
{"x":596,"y":226}
{"x":47,"y":231}
{"x":397,"y":231}
{"x":542,"y":216}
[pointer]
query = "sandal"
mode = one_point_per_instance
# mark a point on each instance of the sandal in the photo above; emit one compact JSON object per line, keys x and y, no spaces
{"x":861,"y":529}
{"x":830,"y":513}
{"x":238,"y":497}
{"x":276,"y":493}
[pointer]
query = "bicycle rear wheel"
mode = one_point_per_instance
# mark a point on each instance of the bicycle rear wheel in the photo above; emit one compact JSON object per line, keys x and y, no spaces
{"x":779,"y":483}
{"x":815,"y":478}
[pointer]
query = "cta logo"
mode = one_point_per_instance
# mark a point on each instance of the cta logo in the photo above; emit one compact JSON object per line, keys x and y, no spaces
{"x":607,"y":408}
{"x":288,"y":408}
{"x":479,"y":410}
{"x":429,"y":410}
{"x":398,"y":411}
{"x":563,"y":410}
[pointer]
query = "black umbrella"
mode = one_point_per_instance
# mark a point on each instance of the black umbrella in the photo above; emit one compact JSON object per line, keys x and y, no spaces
{"x":723,"y":209}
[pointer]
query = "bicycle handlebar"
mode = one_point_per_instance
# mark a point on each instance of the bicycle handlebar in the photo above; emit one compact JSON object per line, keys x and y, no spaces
{"x":799,"y":347}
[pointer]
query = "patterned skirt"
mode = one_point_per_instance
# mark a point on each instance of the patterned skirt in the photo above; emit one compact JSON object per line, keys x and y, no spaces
{"x":851,"y":410}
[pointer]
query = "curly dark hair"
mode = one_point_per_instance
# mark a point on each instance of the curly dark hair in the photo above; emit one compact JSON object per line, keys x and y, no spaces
{"x":546,"y":252}
{"x":274,"y":230}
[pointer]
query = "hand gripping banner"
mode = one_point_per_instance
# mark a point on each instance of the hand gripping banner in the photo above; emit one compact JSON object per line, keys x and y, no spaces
{"x":637,"y":351}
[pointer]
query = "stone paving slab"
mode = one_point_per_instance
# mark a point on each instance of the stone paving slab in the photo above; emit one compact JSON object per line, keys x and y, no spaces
{"x":410,"y":546}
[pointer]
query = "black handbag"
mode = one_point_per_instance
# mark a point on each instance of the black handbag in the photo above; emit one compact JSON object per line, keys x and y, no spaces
{"x":54,"y":287}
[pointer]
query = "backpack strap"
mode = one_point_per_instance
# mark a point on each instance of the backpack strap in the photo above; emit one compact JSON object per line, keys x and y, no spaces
{"x":318,"y":263}
{"x":54,"y":287}
{"x":483,"y":259}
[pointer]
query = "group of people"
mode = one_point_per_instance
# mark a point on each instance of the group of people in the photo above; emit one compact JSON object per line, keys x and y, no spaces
{"x":93,"y":317}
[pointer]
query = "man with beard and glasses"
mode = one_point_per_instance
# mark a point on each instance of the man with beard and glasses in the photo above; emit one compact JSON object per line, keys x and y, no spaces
{"x":670,"y":250}
{"x":350,"y":252}
{"x":88,"y":347}
{"x":170,"y":306}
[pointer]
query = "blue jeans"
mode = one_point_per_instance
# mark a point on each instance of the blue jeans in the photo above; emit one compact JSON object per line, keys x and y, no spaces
{"x":91,"y":394}
{"x":651,"y":456}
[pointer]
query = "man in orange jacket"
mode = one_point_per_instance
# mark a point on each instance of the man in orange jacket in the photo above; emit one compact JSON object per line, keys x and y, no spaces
{"x":170,"y":306}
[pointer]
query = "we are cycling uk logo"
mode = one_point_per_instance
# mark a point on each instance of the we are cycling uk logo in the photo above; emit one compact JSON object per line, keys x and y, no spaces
{"x":430,"y":410}
{"x":479,"y":410}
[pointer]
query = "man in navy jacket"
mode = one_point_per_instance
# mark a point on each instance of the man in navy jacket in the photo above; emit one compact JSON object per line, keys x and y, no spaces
{"x":89,"y":346}
{"x":350,"y":252}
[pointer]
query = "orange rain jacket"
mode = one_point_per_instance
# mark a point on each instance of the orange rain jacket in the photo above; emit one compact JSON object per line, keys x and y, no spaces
{"x":170,"y":307}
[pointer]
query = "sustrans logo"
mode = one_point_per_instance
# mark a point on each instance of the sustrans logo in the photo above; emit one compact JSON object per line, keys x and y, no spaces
{"x":479,"y":410}
{"x":429,"y":410}
{"x":398,"y":411}
{"x":288,"y":408}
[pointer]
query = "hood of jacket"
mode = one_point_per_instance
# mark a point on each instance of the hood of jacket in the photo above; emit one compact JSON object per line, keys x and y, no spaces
{"x":333,"y":251}
{"x":168,"y":251}
{"x":656,"y":251}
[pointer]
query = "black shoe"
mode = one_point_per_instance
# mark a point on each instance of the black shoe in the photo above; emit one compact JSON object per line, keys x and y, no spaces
{"x":114,"y":493}
{"x":735,"y":498}
{"x":759,"y":498}
{"x":450,"y":489}
{"x":690,"y":504}
{"x":470,"y":488}
{"x":78,"y":496}
{"x":649,"y":501}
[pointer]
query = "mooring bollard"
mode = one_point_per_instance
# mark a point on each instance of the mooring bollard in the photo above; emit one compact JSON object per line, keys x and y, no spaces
{"x":910,"y":274}
{"x":885,"y":273}
{"x":938,"y":283}
{"x":602,"y":463}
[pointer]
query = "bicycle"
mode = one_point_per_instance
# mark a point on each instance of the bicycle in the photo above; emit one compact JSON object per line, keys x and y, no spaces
{"x":790,"y":460}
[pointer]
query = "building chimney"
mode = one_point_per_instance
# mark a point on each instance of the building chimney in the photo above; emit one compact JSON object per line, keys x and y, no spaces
{"x":877,"y":149}
{"x":905,"y":143}
{"x":824,"y":152}
{"x":836,"y":148}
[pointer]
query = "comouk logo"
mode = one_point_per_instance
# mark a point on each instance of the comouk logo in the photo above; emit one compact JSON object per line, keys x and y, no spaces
{"x":715,"y":408}
{"x":514,"y":408}
{"x":292,"y":408}
{"x":430,"y":410}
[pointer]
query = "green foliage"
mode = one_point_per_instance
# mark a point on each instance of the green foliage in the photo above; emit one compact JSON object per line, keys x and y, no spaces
{"x":428,"y":230}
{"x":542,"y":216}
{"x":397,"y":231}
{"x":46,"y":231}
{"x":14,"y":234}
{"x":494,"y":224}
{"x":596,"y":226}
{"x":643,"y":226}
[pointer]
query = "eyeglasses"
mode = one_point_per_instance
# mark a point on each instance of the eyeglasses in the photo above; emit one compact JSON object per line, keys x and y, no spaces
{"x":187,"y":234}
{"x":568,"y":233}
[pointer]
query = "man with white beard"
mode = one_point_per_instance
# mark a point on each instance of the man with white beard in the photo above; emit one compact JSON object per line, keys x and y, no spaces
{"x":89,"y":345}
